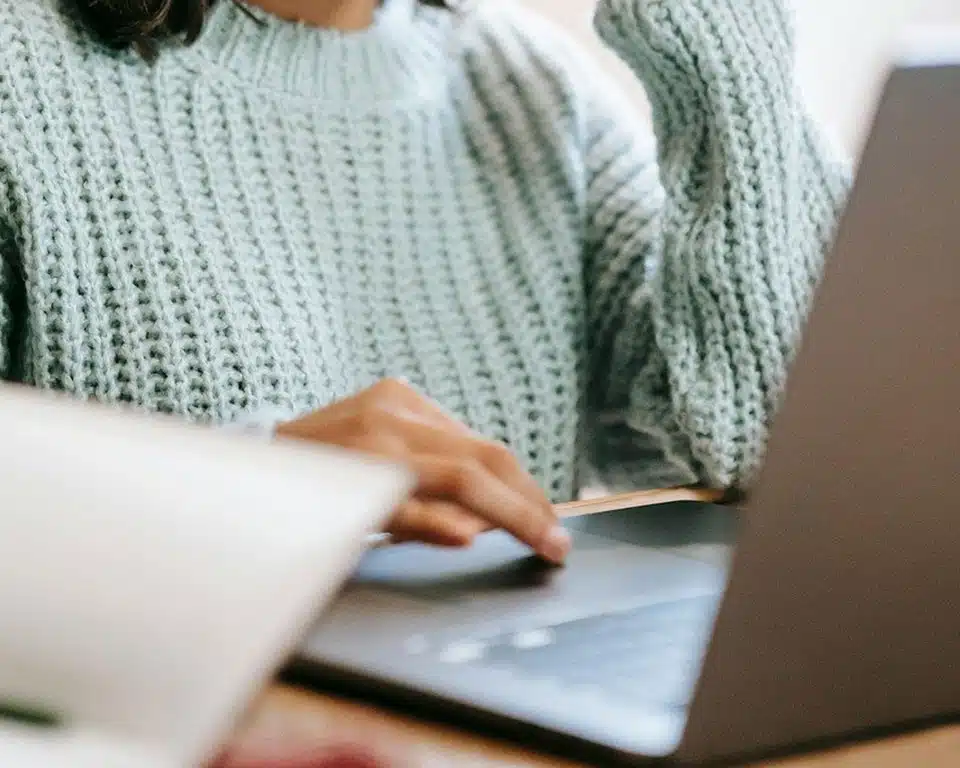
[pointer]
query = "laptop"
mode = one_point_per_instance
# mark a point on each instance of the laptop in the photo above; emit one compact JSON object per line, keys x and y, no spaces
{"x":154,"y":576}
{"x":825,"y":607}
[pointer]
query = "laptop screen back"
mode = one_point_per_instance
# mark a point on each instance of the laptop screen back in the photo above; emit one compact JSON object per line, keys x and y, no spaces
{"x":842,"y":612}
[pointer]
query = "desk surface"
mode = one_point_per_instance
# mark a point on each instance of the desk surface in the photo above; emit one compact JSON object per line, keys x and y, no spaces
{"x":303,"y":720}
{"x":295,"y":718}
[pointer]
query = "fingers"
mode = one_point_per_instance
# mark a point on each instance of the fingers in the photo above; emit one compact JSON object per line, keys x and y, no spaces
{"x":470,"y":484}
{"x":455,"y":468}
{"x":437,"y":522}
{"x":495,"y":456}
{"x":400,"y":434}
{"x":501,"y":461}
{"x":467,"y":484}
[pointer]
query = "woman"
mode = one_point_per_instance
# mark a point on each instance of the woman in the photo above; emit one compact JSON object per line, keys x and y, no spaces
{"x":424,"y":232}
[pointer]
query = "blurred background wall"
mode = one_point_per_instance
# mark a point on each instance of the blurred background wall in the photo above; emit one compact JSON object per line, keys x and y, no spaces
{"x":844,"y":46}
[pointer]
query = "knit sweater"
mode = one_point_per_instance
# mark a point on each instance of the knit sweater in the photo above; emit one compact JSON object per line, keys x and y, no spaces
{"x":279,"y":216}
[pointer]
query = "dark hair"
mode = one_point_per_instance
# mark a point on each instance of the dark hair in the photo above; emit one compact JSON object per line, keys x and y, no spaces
{"x":141,"y":24}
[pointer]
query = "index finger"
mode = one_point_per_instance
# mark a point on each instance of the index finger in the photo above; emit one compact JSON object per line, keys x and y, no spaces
{"x":493,"y":454}
{"x":470,"y":484}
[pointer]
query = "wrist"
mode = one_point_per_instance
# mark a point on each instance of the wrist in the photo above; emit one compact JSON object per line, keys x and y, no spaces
{"x":264,"y":424}
{"x":287,"y":430}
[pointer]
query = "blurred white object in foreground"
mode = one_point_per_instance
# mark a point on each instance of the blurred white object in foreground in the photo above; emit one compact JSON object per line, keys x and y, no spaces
{"x":154,"y":575}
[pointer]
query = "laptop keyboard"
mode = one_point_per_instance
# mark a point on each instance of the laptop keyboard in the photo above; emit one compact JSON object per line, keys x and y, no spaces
{"x":649,"y":654}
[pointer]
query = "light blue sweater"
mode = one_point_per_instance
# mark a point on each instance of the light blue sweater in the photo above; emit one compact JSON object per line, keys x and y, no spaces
{"x":279,"y":216}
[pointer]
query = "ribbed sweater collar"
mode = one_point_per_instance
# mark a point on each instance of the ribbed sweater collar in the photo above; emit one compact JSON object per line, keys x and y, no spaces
{"x":399,"y":56}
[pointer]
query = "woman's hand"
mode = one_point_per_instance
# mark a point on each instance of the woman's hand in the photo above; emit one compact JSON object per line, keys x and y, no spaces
{"x":466,"y":484}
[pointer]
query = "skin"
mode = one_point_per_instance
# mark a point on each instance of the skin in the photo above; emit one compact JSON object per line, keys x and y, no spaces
{"x":466,"y":484}
{"x":345,"y":15}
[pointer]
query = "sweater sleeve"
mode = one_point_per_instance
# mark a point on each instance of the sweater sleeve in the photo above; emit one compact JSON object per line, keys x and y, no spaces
{"x":702,"y":259}
{"x":8,"y":282}
{"x":7,"y":325}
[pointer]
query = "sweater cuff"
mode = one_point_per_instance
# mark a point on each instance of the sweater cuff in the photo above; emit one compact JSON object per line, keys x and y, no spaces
{"x":261,"y":424}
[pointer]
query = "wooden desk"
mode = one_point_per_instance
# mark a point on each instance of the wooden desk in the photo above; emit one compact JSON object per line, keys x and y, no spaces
{"x":300,"y":720}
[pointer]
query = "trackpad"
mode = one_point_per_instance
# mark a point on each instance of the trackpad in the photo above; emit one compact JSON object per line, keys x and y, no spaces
{"x":499,"y":577}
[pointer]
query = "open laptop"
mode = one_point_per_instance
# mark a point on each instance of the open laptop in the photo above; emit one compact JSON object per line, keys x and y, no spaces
{"x":153,"y":576}
{"x":839,"y":612}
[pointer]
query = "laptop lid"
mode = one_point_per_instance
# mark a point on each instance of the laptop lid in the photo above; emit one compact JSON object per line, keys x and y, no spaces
{"x":843,"y":609}
{"x":153,"y":575}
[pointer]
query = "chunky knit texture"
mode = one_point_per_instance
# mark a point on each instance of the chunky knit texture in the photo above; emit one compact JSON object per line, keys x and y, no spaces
{"x":279,"y":216}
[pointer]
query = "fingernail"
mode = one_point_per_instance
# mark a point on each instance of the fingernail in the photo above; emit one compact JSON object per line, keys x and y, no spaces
{"x":556,"y":545}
